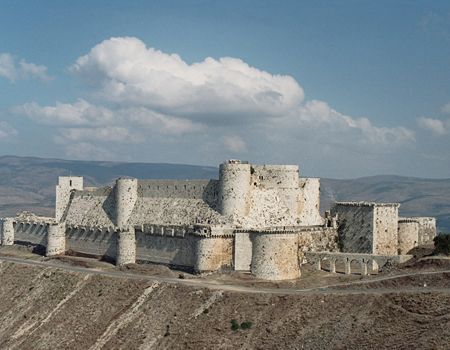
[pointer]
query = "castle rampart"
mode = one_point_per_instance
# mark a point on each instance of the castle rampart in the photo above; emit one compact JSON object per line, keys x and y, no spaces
{"x":262,"y":218}
{"x":427,"y":229}
{"x":367,"y":227}
{"x":309,"y":202}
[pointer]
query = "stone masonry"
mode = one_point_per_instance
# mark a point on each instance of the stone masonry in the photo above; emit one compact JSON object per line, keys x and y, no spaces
{"x":259,"y":218}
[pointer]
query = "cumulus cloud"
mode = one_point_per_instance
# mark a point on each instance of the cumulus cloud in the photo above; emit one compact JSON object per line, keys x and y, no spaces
{"x":126,"y":71}
{"x":436,"y":126}
{"x":226,"y":91}
{"x":318,"y":114}
{"x":78,"y":113}
{"x":12,"y":69}
{"x":82,"y":113}
{"x":139,"y":95}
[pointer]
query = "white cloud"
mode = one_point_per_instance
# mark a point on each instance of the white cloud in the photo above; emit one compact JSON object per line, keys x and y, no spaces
{"x":436,"y":126}
{"x":318,"y":114}
{"x":126,"y":71}
{"x":7,"y":67}
{"x":140,"y":97}
{"x":84,"y":114}
{"x":13,"y":70}
{"x":224,"y":92}
{"x":235,"y":144}
{"x":79,"y":113}
{"x":6,"y":131}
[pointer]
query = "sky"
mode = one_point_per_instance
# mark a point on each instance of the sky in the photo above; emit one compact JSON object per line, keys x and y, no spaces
{"x":342,"y":88}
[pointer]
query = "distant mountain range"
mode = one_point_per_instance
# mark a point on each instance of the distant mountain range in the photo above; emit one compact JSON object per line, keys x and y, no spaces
{"x":28,"y":183}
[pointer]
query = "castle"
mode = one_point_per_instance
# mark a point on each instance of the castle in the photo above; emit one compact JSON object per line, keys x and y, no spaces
{"x":259,"y":218}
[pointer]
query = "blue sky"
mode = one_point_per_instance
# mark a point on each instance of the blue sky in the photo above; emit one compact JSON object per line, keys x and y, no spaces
{"x":343,"y":88}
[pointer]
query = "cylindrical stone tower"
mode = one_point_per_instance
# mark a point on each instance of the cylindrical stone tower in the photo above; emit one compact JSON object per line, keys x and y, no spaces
{"x":126,"y":247}
{"x":234,"y":187}
{"x":56,"y":239}
{"x":275,"y":256}
{"x":7,"y":231}
{"x":126,"y":196}
{"x":211,"y":253}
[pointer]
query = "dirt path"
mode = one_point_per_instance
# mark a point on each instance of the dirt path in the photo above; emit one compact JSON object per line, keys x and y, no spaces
{"x":201,"y":283}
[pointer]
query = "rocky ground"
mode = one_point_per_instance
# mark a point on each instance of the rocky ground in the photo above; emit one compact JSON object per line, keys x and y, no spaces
{"x":54,"y":308}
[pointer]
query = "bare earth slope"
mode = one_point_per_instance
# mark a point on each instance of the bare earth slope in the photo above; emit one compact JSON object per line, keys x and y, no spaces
{"x":28,"y":183}
{"x":50,"y":308}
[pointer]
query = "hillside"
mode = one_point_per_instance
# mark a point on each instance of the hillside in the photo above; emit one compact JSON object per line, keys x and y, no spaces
{"x":71,"y":307}
{"x":28,"y":183}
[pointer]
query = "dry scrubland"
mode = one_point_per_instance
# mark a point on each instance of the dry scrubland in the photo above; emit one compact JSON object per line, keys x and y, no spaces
{"x":50,"y":308}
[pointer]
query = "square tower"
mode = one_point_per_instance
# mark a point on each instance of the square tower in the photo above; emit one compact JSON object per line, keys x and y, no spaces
{"x":367,"y":227}
{"x":65,"y":185}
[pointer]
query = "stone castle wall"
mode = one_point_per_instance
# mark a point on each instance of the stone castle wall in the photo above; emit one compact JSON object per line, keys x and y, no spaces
{"x":367,"y":227}
{"x":309,"y":202}
{"x":317,"y":239}
{"x":190,"y":189}
{"x":91,"y":208}
{"x":31,"y":233}
{"x":262,"y":218}
{"x":96,"y":242}
{"x":385,"y":241}
{"x":427,"y":229}
{"x":356,"y":225}
{"x":408,"y":235}
{"x":168,"y":250}
{"x":242,"y":251}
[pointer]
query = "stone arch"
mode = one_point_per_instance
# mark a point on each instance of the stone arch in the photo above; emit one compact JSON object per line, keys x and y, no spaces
{"x":373,"y":266}
{"x":363,"y":265}
{"x":347,"y":266}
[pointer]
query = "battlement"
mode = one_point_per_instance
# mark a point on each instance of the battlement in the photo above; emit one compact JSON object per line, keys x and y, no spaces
{"x":258,"y":218}
{"x":367,"y":204}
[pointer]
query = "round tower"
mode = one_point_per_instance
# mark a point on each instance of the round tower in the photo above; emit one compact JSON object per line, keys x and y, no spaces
{"x":275,"y":256}
{"x":234,"y":187}
{"x":126,"y":196}
{"x":7,"y":231}
{"x":126,"y":247}
{"x":211,"y":253}
{"x":56,"y":239}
